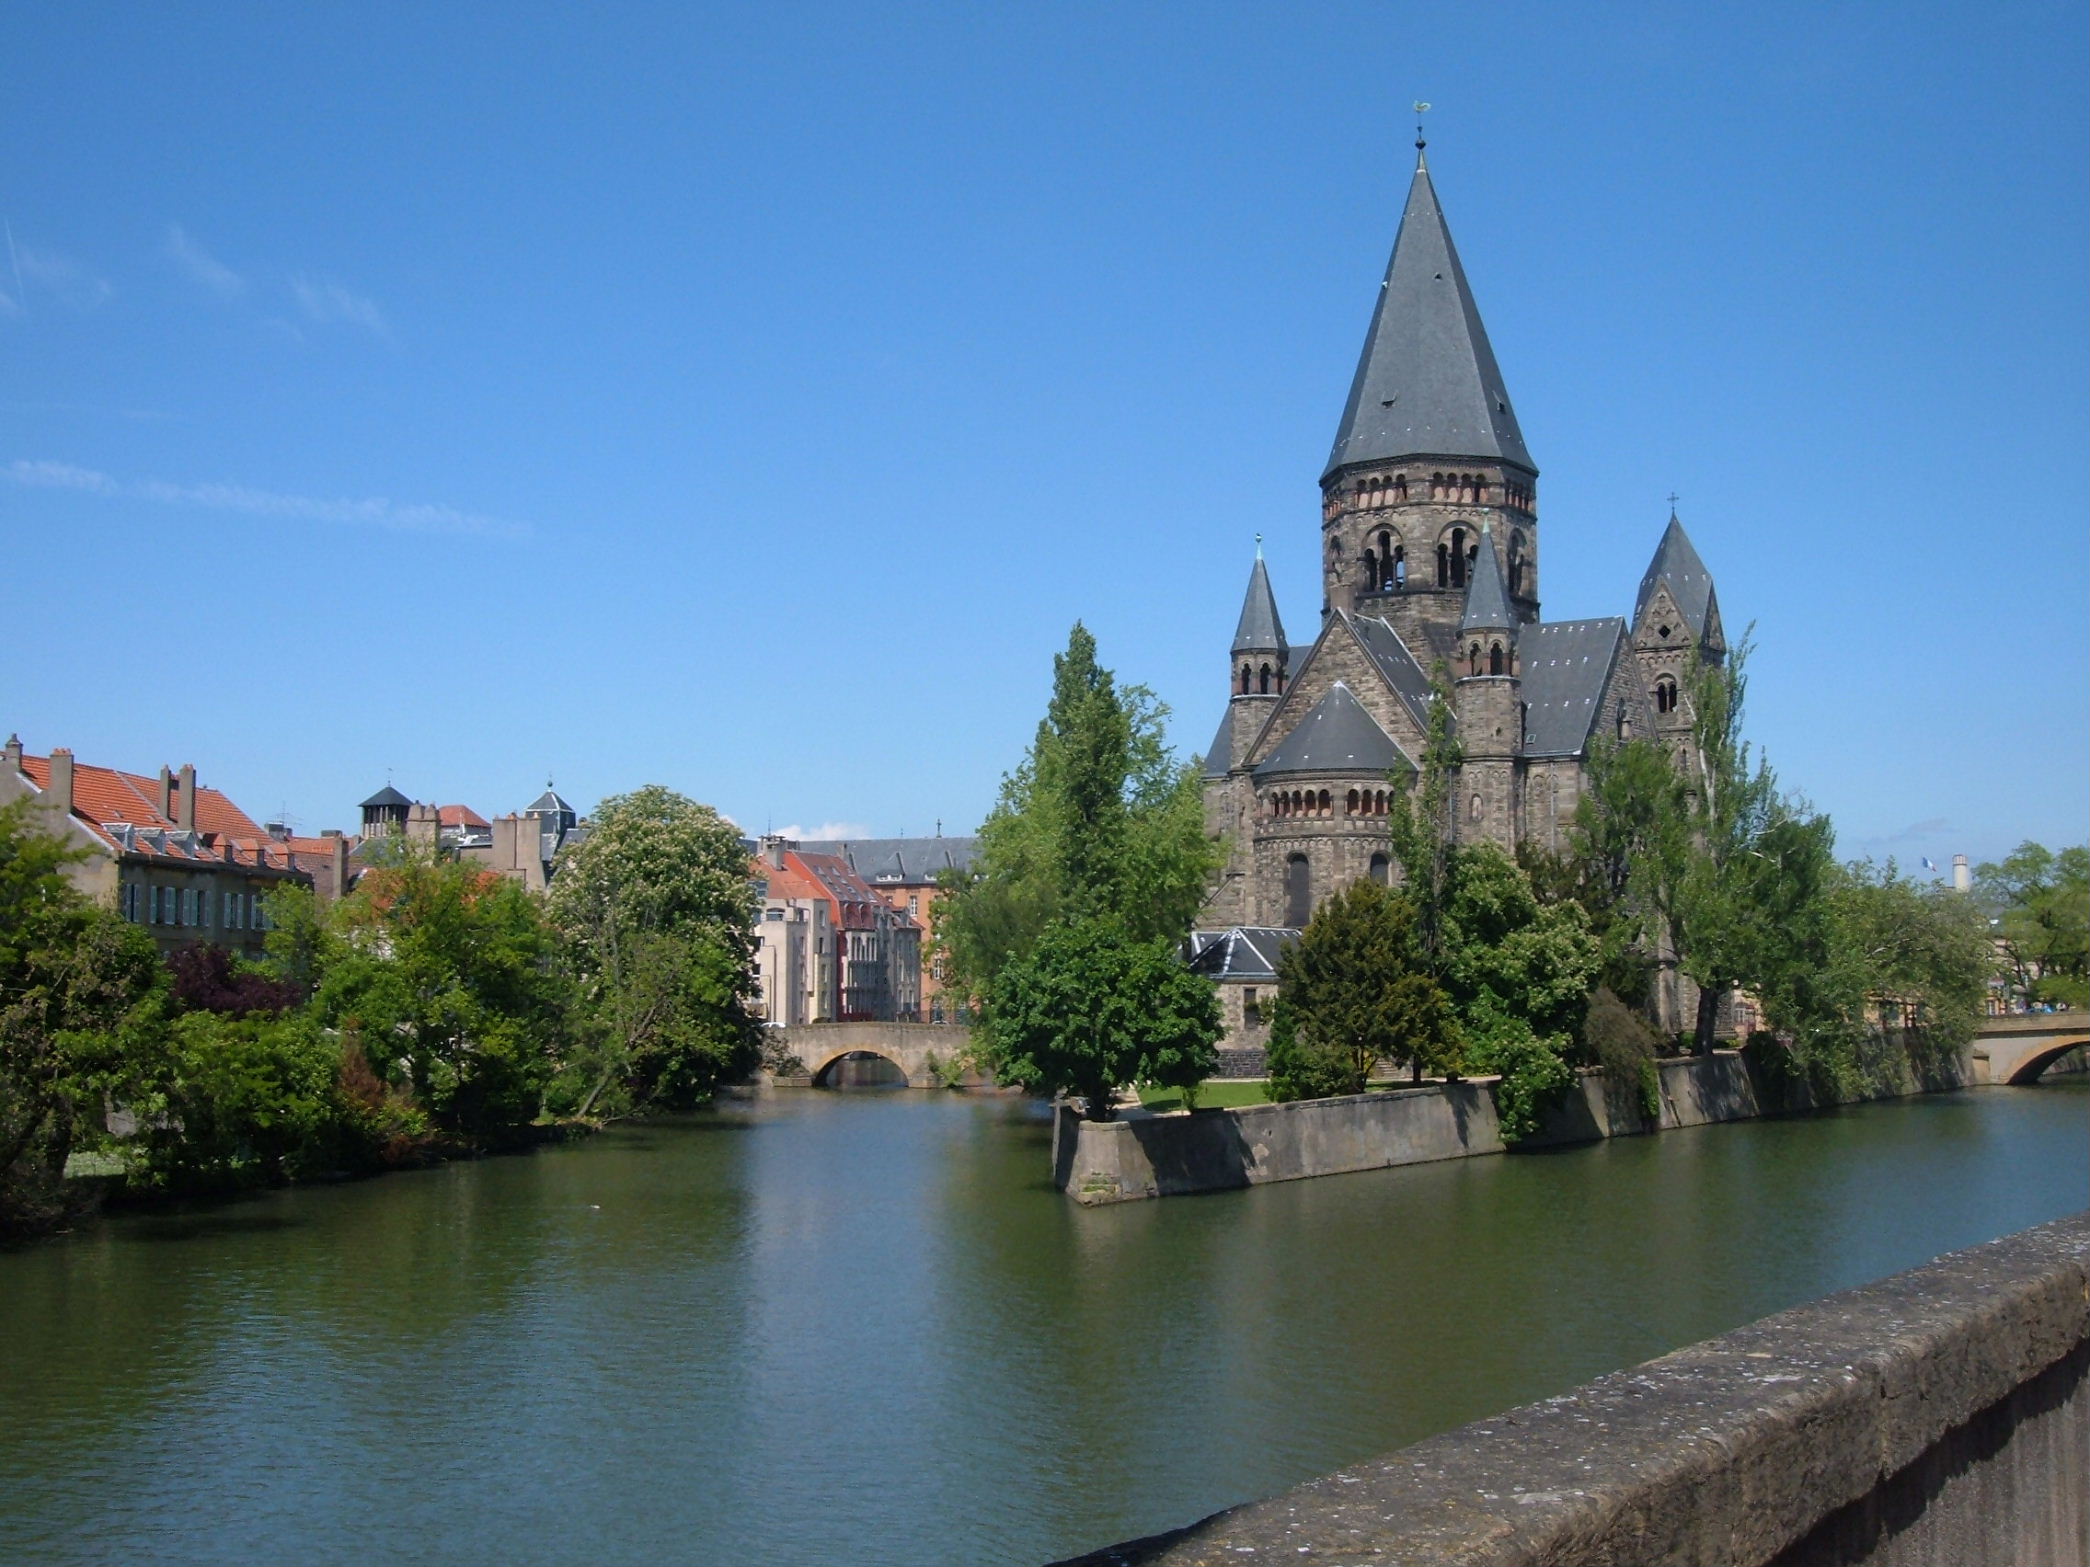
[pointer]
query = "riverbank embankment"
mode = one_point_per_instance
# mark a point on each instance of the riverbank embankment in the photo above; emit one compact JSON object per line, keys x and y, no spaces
{"x":1220,"y":1150}
{"x":1942,"y":1414}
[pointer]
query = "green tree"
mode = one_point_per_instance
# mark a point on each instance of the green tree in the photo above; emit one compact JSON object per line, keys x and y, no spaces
{"x":1419,"y":819}
{"x":1628,"y":845}
{"x":73,"y":979}
{"x":2040,"y":903}
{"x":1099,"y":819}
{"x":1356,"y":991}
{"x":657,"y":906}
{"x":449,"y":982}
{"x":1092,"y":1007}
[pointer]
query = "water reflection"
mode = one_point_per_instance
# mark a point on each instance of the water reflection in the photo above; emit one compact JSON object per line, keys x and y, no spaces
{"x":861,"y":1327}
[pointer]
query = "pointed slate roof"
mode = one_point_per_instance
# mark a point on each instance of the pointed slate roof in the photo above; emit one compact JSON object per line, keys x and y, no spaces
{"x":1260,"y":629}
{"x":1566,"y":666}
{"x":1221,"y":750}
{"x":1338,"y":736}
{"x":548,"y":803}
{"x":1487,"y":600}
{"x":386,"y":796}
{"x":1676,"y":566}
{"x":1427,"y":383}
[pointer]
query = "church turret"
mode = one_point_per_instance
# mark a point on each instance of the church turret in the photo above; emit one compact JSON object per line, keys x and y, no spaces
{"x":1260,"y":664}
{"x":1676,"y":626}
{"x":1490,"y":702}
{"x":1428,"y":454}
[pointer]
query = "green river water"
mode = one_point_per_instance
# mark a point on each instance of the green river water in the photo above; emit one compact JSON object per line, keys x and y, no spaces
{"x":859,"y":1327}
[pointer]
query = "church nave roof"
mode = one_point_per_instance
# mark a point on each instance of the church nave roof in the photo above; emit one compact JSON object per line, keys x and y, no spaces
{"x":1337,"y":736}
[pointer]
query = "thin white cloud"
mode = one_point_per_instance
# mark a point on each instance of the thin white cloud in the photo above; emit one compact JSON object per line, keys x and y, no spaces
{"x":825,"y":832}
{"x":50,"y":272}
{"x":377,"y":512}
{"x":329,"y":303}
{"x":200,"y":266}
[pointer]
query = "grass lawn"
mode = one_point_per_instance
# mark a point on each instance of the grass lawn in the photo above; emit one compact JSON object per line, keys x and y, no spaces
{"x":1210,"y":1096}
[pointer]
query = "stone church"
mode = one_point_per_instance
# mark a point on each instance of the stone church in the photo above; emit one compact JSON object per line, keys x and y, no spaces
{"x":1430,"y":563}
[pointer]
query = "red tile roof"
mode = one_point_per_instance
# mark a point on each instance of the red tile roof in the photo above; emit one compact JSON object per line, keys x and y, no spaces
{"x":105,"y":798}
{"x":460,"y":816}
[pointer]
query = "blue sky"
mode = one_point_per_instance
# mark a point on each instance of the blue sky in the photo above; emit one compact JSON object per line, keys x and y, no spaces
{"x":748,"y":399}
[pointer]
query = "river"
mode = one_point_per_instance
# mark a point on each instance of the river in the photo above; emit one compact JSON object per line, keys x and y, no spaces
{"x":859,"y":1327}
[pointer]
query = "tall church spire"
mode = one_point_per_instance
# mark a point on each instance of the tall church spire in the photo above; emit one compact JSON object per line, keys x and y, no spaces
{"x":1259,"y":631}
{"x":1427,"y":383}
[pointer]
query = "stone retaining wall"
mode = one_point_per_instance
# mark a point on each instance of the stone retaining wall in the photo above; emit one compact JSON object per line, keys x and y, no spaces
{"x":1217,"y":1150}
{"x":1942,"y":1415}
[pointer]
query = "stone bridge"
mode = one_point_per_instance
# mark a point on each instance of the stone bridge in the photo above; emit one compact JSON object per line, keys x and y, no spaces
{"x":2018,"y":1049}
{"x":918,"y":1049}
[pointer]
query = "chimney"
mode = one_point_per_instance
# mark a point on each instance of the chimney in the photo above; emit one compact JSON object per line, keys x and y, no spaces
{"x":1962,"y":877}
{"x":187,"y":806}
{"x":166,"y":795}
{"x":773,"y":849}
{"x":280,"y":831}
{"x":337,"y":868}
{"x":62,"y":780}
{"x":14,"y":752}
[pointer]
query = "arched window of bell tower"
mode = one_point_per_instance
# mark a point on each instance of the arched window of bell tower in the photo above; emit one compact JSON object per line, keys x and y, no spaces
{"x":1460,"y":557}
{"x":1665,"y":695}
{"x":1247,"y":675}
{"x":1516,"y":563}
{"x":1443,"y":567}
{"x":1399,"y":573}
{"x":1400,"y":489}
{"x":1263,"y":681}
{"x":1495,"y":658}
{"x":1473,"y":659}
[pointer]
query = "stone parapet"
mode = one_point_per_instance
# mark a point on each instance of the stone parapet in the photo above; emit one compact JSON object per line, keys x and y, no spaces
{"x":1941,"y":1415}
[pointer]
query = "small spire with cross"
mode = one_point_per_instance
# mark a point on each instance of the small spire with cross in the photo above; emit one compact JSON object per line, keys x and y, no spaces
{"x":1258,"y":546}
{"x":1673,"y":499}
{"x":1421,"y":109}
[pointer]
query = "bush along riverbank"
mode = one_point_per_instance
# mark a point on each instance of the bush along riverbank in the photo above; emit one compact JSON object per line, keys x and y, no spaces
{"x":438,"y":1011}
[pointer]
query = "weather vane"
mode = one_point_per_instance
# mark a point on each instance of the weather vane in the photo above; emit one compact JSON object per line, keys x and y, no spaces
{"x":1420,"y":110}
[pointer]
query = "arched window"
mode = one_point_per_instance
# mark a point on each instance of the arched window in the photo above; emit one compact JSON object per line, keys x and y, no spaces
{"x":1382,"y":869}
{"x":1298,"y":892}
{"x":1473,"y":658}
{"x":1384,"y":580}
{"x":1436,"y":486}
{"x":1443,"y":567}
{"x":1350,"y":803}
{"x":1246,"y":676}
{"x":1379,"y":803}
{"x":1371,"y":572}
{"x":1473,"y":810}
{"x":1625,"y":723}
{"x":1400,"y":488}
{"x":1400,"y":567}
{"x":1495,"y":658}
{"x":1327,"y":804}
{"x":1263,"y":681}
{"x":1665,"y":695}
{"x":1459,"y":557}
{"x":1516,"y":564}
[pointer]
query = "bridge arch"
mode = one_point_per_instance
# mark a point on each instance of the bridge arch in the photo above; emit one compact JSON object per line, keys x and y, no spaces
{"x":2030,"y":1069}
{"x":824,"y":1073}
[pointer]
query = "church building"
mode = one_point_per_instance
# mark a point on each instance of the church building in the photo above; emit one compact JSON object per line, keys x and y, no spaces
{"x":1430,"y":565}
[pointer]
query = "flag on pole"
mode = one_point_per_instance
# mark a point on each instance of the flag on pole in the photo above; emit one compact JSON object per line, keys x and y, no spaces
{"x":1929,"y":864}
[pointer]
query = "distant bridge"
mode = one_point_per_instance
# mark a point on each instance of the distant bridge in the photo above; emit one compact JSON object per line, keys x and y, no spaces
{"x":917,"y":1049}
{"x":2018,"y":1049}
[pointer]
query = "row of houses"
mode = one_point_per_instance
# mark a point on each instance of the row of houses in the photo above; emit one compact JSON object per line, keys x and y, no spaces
{"x":844,"y":927}
{"x":841,"y":931}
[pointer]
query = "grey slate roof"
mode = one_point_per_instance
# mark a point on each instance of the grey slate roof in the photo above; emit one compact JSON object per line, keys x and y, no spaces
{"x":1222,"y":746}
{"x":1677,"y":565}
{"x":1565,"y":667}
{"x":1244,"y":952}
{"x":1487,"y":600}
{"x":1260,"y":629}
{"x":1337,"y":736}
{"x":386,"y":796}
{"x":1403,"y":671}
{"x":898,"y":861}
{"x":1427,"y":383}
{"x":549,"y":804}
